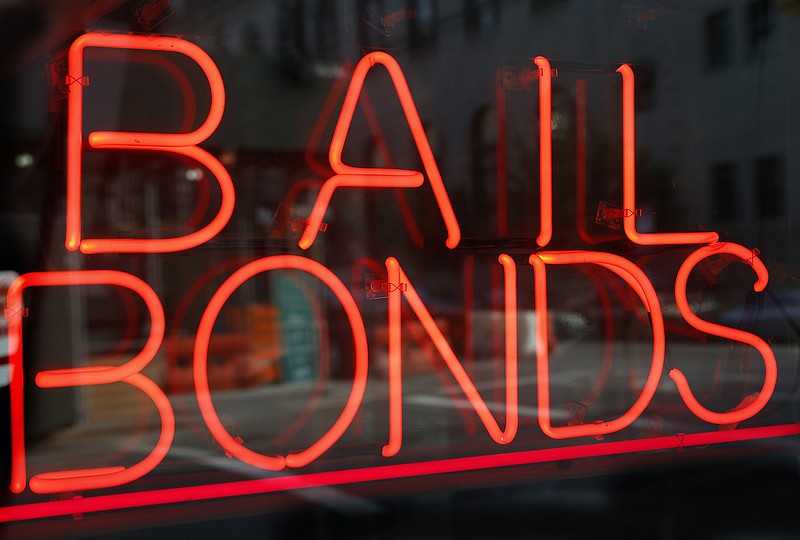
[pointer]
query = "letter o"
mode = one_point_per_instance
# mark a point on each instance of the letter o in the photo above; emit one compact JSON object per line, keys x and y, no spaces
{"x":200,"y":363}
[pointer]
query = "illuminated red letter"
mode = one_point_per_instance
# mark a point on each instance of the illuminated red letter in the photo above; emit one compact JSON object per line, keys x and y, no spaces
{"x":367,"y":177}
{"x":629,"y":177}
{"x":176,"y":143}
{"x":399,"y":286}
{"x":733,"y":334}
{"x":203,"y":337}
{"x":545,"y":152}
{"x":638,"y":281}
{"x":129,"y":372}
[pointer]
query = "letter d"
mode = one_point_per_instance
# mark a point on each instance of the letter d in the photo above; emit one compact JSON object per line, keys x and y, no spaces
{"x":637,"y":280}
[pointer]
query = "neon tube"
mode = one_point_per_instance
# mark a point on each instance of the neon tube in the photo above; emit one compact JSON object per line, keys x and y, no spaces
{"x":181,"y":243}
{"x":629,"y":177}
{"x":400,"y":287}
{"x":82,"y":479}
{"x":545,"y":152}
{"x":376,"y":177}
{"x":733,"y":334}
{"x":178,"y":143}
{"x":105,"y":139}
{"x":632,"y":275}
{"x":83,"y":375}
{"x":369,"y":114}
{"x":200,"y":363}
{"x":209,"y":492}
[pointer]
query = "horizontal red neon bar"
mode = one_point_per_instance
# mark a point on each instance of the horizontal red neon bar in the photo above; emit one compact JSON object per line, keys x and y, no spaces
{"x":141,"y":499}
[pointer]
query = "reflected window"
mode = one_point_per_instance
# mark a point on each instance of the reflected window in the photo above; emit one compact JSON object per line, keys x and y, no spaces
{"x":770,"y":192}
{"x":718,"y":40}
{"x":424,"y":25}
{"x":326,"y":28}
{"x":292,"y":29}
{"x":483,"y":155}
{"x":481,"y":16}
{"x":646,"y":78}
{"x":759,"y":23}
{"x":725,"y":186}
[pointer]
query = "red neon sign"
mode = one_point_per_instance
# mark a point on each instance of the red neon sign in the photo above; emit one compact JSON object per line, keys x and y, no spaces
{"x":545,"y":152}
{"x":399,"y":287}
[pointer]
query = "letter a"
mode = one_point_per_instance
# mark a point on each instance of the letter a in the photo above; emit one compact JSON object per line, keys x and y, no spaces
{"x":368,"y":177}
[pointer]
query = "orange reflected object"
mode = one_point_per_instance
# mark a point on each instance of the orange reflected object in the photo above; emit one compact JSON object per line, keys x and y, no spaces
{"x":128,"y":372}
{"x":367,"y":177}
{"x":399,"y":287}
{"x":178,"y":143}
{"x":629,"y":177}
{"x":200,"y":364}
{"x":324,"y":371}
{"x":633,"y":276}
{"x":545,"y":152}
{"x":733,"y":334}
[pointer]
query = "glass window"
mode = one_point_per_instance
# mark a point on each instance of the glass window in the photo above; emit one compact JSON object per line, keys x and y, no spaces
{"x":719,"y":49}
{"x":399,"y":269}
{"x":759,"y":26}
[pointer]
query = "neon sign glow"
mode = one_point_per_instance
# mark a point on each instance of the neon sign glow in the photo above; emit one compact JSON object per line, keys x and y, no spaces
{"x":129,"y":372}
{"x":348,"y":176}
{"x":201,"y":360}
{"x":184,"y":144}
{"x":399,"y":288}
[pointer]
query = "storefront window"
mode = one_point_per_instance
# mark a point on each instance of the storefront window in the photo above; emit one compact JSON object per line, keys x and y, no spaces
{"x":472,"y":269}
